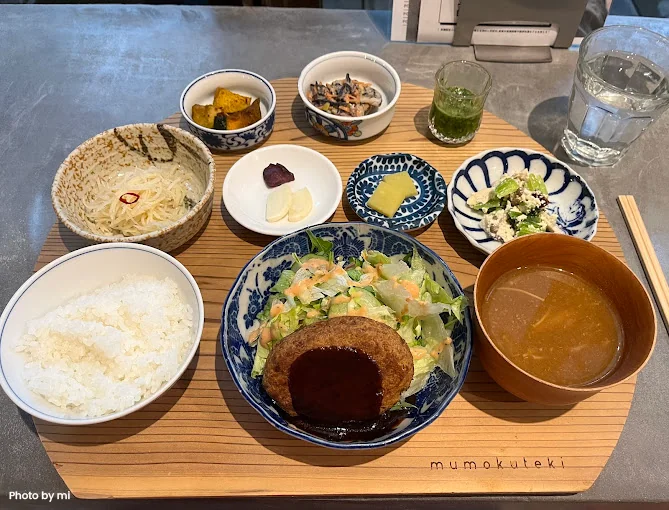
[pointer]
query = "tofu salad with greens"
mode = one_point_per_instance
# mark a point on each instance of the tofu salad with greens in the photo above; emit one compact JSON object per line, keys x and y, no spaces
{"x":397,"y":291}
{"x":514,"y":206}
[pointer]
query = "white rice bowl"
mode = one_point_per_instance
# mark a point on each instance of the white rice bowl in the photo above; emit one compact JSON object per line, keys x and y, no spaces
{"x":99,"y":333}
{"x":107,"y":350}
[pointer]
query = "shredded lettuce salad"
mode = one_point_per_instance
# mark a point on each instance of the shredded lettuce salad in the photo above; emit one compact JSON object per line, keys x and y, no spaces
{"x":397,"y":291}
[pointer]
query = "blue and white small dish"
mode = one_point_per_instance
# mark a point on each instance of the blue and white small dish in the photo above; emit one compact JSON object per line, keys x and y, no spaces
{"x":570,"y":197}
{"x":248,"y":296}
{"x":415,"y":212}
{"x":201,"y":91}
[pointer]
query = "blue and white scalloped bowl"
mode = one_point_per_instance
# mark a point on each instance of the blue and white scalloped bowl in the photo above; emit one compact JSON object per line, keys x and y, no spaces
{"x":250,"y":291}
{"x":415,"y":212}
{"x":570,"y":197}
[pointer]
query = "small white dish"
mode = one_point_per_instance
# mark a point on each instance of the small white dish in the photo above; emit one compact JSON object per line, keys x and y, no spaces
{"x":245,"y":192}
{"x":72,"y":275}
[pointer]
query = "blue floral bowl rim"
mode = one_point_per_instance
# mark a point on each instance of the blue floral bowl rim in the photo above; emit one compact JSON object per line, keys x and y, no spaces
{"x":359,"y":54}
{"x":361,"y":209}
{"x":270,"y":110}
{"x":484,"y":153}
{"x":366,"y":445}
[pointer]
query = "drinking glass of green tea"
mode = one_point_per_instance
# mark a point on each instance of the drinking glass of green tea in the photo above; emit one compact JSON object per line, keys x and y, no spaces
{"x":460,"y":91}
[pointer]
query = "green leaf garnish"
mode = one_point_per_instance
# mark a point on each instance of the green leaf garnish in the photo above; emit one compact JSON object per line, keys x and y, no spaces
{"x":319,"y":246}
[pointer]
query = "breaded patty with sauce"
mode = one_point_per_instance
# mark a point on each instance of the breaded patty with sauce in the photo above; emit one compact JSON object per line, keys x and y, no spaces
{"x":378,"y":341}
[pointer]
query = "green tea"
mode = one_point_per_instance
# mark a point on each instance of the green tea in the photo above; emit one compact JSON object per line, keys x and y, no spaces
{"x":455,"y":114}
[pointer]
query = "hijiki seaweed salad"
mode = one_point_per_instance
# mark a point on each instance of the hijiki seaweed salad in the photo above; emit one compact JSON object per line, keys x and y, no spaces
{"x":396,"y":291}
{"x":346,"y":98}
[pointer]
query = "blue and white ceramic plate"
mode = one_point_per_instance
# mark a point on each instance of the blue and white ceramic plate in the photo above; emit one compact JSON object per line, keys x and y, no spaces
{"x":570,"y":198}
{"x":415,"y":212}
{"x":250,"y":291}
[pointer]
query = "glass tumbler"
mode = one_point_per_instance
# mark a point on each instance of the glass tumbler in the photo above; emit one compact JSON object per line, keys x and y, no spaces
{"x":460,"y":91}
{"x":620,"y":89}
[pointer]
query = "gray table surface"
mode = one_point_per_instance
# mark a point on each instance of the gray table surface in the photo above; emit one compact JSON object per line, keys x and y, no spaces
{"x":70,"y":72}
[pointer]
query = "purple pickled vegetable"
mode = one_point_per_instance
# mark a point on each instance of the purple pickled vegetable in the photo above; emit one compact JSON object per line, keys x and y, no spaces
{"x":276,"y":174}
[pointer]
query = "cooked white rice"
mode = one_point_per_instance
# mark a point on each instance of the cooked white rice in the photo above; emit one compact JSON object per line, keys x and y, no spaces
{"x":104,"y":351}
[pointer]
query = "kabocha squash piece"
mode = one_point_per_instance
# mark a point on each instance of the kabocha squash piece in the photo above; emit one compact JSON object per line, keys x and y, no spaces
{"x":235,"y":114}
{"x":246,"y":117}
{"x":199,"y":114}
{"x":230,"y":102}
{"x":220,"y":121}
{"x":204,"y":115}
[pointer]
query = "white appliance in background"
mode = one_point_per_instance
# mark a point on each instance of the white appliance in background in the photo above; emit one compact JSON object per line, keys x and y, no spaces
{"x":436,"y":24}
{"x":448,"y":12}
{"x":402,"y":17}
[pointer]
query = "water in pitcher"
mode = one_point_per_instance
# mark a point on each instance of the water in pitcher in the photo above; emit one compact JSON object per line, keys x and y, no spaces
{"x":616,"y":96}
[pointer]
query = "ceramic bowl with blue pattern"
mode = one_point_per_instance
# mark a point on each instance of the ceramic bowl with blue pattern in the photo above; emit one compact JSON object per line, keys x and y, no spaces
{"x":360,"y":66}
{"x":251,"y":290}
{"x":415,"y":212}
{"x":570,"y":197}
{"x":201,"y":91}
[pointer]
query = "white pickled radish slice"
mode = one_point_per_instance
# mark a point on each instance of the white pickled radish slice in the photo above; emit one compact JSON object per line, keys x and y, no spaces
{"x":301,"y":205}
{"x":278,"y":203}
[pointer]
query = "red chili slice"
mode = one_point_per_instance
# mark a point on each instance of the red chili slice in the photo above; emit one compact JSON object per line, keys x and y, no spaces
{"x":129,"y":200}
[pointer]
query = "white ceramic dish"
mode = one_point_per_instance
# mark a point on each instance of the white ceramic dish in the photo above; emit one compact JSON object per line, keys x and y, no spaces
{"x":245,"y":192}
{"x":69,"y":276}
{"x":360,"y":66}
{"x":201,"y":91}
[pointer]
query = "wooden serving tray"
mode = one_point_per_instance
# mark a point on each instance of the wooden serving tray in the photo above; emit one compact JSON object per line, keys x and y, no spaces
{"x":202,"y":438}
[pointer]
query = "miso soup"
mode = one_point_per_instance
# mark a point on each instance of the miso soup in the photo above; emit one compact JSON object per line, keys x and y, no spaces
{"x":554,"y":325}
